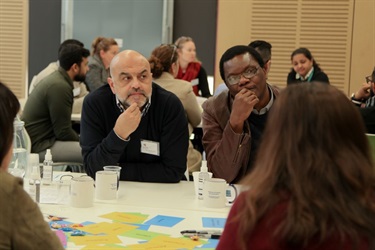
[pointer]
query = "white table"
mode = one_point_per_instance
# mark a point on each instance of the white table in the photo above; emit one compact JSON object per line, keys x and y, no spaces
{"x":148,"y":198}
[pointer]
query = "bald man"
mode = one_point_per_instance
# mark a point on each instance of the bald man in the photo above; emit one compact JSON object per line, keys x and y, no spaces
{"x":134,"y":123}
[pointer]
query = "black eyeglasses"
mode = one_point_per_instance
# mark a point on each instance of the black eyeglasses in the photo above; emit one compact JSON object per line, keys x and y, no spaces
{"x":248,"y":73}
{"x":369,"y":79}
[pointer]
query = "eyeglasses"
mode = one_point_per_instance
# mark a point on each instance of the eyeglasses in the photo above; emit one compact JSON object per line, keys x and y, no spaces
{"x":369,"y":79}
{"x":249,"y":73}
{"x":174,"y":52}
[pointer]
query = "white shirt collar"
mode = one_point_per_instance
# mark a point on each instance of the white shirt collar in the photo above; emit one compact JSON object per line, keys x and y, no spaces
{"x":267,"y":107}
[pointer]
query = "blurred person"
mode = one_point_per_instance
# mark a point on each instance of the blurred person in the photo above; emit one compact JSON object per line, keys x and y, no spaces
{"x":191,"y":69}
{"x":264,"y":50}
{"x":365,"y":99}
{"x":79,"y":91}
{"x":134,"y":123}
{"x":103,"y":51}
{"x":164,"y":68}
{"x":305,"y":68}
{"x":308,"y":191}
{"x":234,"y":120}
{"x":19,"y":214}
{"x":48,"y":109}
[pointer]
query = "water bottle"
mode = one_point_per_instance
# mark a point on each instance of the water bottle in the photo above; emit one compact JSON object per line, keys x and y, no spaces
{"x":47,"y":168}
{"x":18,"y":165}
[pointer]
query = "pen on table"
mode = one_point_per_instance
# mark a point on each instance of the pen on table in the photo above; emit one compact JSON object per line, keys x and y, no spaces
{"x":207,"y":234}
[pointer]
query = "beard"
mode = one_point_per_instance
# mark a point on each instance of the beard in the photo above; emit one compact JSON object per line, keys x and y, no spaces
{"x":80,"y":77}
{"x":140,"y":98}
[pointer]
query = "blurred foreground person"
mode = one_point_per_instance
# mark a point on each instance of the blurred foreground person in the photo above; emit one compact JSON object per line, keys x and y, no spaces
{"x":21,"y":223}
{"x":313,"y":182}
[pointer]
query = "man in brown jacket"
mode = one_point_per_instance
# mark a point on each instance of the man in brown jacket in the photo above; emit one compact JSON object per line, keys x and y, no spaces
{"x":234,"y":120}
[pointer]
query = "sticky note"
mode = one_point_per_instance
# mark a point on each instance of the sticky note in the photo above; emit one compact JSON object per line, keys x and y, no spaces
{"x":213,"y":222}
{"x":141,"y":234}
{"x":126,"y":217}
{"x":164,"y":221}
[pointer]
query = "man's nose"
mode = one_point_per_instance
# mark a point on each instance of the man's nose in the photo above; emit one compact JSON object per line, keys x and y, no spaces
{"x":243,"y":80}
{"x":135,"y":83}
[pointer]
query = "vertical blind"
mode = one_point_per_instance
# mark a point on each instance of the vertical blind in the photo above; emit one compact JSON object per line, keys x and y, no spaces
{"x":322,"y":26}
{"x":13,"y":44}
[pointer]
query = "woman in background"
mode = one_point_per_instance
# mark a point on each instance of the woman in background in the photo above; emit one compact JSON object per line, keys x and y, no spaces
{"x":191,"y":69}
{"x":21,"y":223}
{"x":102,"y":52}
{"x":305,"y":68}
{"x":164,"y":68}
{"x":313,"y":185}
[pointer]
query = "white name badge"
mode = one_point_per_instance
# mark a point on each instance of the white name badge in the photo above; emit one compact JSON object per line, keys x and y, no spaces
{"x":150,"y":147}
{"x":194,"y":82}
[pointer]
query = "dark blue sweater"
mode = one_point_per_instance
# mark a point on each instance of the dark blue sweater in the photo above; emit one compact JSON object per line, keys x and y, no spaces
{"x":165,"y":122}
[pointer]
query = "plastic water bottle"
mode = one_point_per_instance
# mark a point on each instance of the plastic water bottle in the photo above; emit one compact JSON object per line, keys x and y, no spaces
{"x":203,"y":175}
{"x":18,"y":165}
{"x":47,"y":168}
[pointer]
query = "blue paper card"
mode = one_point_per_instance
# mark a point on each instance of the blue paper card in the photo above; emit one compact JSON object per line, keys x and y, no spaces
{"x":213,"y":222}
{"x":164,"y":221}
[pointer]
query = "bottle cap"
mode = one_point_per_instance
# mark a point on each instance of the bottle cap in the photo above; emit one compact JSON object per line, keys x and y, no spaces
{"x":204,"y":166}
{"x":48,"y":155}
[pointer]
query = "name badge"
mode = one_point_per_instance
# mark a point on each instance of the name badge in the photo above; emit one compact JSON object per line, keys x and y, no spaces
{"x":194,"y":82}
{"x":150,"y":147}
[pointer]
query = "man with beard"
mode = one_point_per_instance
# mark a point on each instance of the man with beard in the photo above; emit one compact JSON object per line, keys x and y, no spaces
{"x":234,"y":120}
{"x":134,"y":123}
{"x":48,"y":109}
{"x":80,"y":90}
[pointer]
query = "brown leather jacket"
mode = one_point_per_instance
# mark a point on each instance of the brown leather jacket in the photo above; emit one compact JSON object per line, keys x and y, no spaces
{"x":227,"y":152}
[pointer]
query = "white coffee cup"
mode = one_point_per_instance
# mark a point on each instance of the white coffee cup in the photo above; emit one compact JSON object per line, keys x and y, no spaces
{"x":82,"y":192}
{"x":214,"y":193}
{"x":196,"y":181}
{"x":106,"y":185}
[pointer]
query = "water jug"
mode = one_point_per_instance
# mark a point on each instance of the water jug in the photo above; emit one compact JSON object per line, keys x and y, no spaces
{"x":18,"y":165}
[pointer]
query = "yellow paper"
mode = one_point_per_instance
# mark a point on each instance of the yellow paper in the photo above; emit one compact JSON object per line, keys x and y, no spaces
{"x":165,"y":242}
{"x":94,"y":239}
{"x":126,"y":217}
{"x":104,"y":247}
{"x":107,"y":228}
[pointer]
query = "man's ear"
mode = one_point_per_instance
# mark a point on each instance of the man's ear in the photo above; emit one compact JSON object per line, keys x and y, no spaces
{"x":75,"y":68}
{"x":111,"y":84}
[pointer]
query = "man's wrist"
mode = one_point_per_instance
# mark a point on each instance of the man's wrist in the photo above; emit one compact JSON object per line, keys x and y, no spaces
{"x":126,"y":139}
{"x":356,"y":101}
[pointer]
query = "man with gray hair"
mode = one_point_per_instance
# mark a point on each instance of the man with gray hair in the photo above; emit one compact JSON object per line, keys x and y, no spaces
{"x":134,"y":123}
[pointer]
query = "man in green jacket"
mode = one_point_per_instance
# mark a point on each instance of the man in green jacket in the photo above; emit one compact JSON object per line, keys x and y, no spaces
{"x":47,"y":112}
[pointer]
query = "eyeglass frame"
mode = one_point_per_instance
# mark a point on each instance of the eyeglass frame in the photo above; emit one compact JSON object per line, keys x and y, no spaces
{"x":369,"y":79}
{"x":238,"y":76}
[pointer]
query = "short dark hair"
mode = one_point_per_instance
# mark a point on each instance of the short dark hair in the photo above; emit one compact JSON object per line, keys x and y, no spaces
{"x":373,"y":75}
{"x":235,"y":51}
{"x":70,"y":41}
{"x":9,"y":107}
{"x":306,"y":52}
{"x":71,"y":54}
{"x":263,"y":48}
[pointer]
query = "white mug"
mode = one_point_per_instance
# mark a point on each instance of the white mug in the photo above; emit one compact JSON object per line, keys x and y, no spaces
{"x":106,"y":185}
{"x":214,"y":193}
{"x":82,"y":192}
